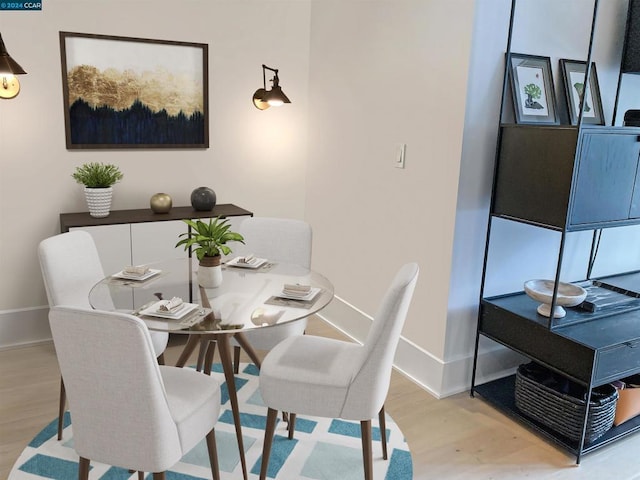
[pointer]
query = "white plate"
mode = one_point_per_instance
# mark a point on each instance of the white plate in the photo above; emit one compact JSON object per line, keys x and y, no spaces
{"x":254,"y":263}
{"x":126,"y":276}
{"x":153,"y":311}
{"x":306,"y":297}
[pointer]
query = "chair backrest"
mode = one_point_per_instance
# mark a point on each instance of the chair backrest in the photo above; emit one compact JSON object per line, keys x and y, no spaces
{"x":116,"y":394}
{"x":370,"y":385}
{"x":70,"y":266}
{"x":279,"y":239}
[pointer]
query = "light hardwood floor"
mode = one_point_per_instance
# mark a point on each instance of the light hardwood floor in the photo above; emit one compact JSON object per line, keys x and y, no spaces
{"x":454,"y":438}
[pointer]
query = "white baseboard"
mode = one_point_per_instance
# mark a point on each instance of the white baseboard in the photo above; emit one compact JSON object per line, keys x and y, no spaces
{"x":30,"y":326}
{"x":23,"y":327}
{"x":431,"y":373}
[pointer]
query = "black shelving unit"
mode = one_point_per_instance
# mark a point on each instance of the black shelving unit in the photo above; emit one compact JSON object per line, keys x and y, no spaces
{"x":584,"y":194}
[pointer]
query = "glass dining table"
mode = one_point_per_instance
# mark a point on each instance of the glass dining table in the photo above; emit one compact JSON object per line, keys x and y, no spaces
{"x":247,"y":299}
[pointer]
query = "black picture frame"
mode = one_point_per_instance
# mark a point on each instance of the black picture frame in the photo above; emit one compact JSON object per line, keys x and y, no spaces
{"x":531,"y":80}
{"x":573,"y":76}
{"x":127,"y":92}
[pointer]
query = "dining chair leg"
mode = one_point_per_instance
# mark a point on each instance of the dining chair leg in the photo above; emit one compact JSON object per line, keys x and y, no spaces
{"x":140,"y":475}
{"x":83,"y":469}
{"x":292,"y":425}
{"x":159,"y":476}
{"x":269,"y":432}
{"x":188,"y":349}
{"x":213,"y":454}
{"x":62,"y":404}
{"x":383,"y":432}
{"x":208,"y":358}
{"x":367,"y":454}
{"x":236,"y":359}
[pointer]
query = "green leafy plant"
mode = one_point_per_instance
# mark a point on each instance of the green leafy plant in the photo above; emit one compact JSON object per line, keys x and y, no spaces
{"x":97,"y":175}
{"x":209,"y":239}
{"x":533,"y":91}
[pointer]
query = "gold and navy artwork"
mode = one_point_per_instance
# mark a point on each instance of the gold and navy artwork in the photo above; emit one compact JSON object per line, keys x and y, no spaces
{"x":123,"y":92}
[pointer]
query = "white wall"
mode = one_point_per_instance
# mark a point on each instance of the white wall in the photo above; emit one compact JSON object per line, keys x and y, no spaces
{"x":384,"y":73}
{"x":256,"y":159}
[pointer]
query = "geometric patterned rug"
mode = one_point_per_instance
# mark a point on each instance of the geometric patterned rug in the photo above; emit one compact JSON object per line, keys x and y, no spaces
{"x":323,"y":449}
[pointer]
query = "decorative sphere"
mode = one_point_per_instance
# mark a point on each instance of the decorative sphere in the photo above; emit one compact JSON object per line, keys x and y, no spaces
{"x":203,"y":199}
{"x":161,"y":203}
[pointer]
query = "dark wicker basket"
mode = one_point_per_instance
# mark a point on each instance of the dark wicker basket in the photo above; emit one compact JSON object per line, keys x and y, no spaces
{"x":560,"y":404}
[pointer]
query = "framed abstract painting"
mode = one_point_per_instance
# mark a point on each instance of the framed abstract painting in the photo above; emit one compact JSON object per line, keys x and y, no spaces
{"x":124,"y":92}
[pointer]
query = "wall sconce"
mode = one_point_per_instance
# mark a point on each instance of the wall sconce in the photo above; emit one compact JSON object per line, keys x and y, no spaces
{"x":9,"y":68}
{"x":275,"y":97}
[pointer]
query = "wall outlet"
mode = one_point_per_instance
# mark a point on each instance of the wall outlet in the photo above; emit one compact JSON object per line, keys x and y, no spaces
{"x":400,"y":155}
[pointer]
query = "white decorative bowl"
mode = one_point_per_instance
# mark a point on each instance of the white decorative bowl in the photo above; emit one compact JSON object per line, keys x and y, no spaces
{"x":569,"y":295}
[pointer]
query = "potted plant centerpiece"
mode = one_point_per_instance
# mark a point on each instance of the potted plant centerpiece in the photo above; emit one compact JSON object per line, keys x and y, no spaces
{"x":209,"y":241}
{"x":98,"y":179}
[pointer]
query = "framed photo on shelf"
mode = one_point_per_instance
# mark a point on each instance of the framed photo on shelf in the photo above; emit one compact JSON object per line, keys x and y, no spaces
{"x":124,"y":92}
{"x":573,"y":76}
{"x":531,"y":82}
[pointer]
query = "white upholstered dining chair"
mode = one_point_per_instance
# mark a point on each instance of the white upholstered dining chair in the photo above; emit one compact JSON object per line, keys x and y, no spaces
{"x":280,"y":240}
{"x":330,"y":378}
{"x":70,"y":266}
{"x":143,"y":419}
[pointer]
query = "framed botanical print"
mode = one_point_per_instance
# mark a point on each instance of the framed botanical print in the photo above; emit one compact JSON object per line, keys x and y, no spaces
{"x":573,"y":76}
{"x":532,"y":88}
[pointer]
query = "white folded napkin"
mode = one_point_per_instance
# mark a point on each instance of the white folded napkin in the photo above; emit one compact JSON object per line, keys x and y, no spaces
{"x":135,"y":270}
{"x":247,"y":259}
{"x":296,"y":289}
{"x":170,"y":305}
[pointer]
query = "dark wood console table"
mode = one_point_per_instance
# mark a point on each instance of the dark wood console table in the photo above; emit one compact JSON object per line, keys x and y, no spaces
{"x":142,"y":215}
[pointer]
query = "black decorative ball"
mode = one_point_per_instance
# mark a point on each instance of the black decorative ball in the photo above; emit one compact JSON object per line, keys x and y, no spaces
{"x":203,"y":199}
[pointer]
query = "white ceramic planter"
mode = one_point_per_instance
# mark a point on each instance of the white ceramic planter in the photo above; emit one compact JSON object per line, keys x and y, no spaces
{"x":98,"y":201}
{"x":210,"y":272}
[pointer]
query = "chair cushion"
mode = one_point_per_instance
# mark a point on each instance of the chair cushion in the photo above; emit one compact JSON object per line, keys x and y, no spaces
{"x":194,"y":403}
{"x":309,"y":375}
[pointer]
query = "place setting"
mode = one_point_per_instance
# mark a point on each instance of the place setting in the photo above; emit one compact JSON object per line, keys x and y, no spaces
{"x":135,"y":275}
{"x":174,"y":309}
{"x":250,"y":262}
{"x":295,"y":295}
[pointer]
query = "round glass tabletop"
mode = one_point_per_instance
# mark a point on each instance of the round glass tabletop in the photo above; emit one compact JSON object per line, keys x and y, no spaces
{"x":248,"y":298}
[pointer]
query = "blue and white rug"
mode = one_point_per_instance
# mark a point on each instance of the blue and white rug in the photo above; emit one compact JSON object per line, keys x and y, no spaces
{"x":323,"y":449}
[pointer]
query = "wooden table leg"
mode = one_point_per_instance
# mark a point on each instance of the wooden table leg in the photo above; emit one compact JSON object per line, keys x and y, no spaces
{"x":246,"y":346}
{"x":227,"y":365}
{"x":211,"y":350}
{"x":191,"y":345}
{"x":226,"y":357}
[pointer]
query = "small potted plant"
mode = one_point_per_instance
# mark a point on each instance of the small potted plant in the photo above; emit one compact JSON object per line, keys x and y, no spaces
{"x":209,"y":241}
{"x":98,"y":180}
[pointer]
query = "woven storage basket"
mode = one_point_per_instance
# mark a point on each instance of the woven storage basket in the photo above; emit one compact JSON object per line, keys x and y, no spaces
{"x":563,"y":412}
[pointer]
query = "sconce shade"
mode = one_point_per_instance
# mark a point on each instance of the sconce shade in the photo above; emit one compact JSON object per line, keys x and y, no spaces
{"x":276,"y":97}
{"x":631,"y":50}
{"x":7,"y":64}
{"x":263,"y":98}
